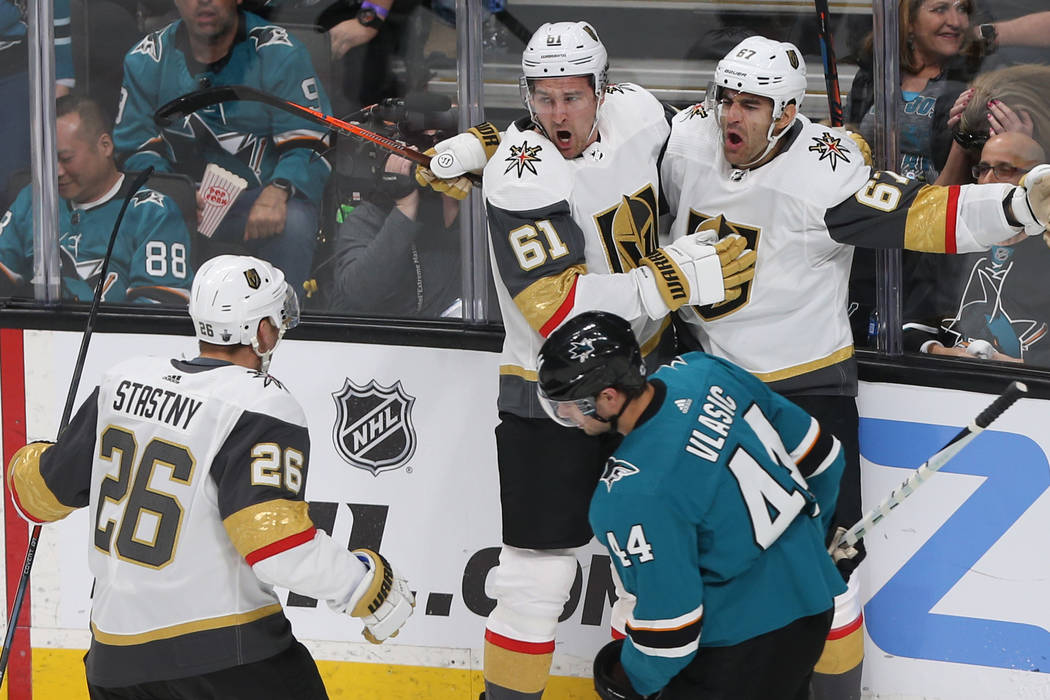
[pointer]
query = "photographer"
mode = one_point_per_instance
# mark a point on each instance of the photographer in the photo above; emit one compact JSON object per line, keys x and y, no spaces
{"x":398,"y":257}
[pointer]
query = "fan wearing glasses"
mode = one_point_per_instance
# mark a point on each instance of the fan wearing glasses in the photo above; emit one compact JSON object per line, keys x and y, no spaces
{"x":989,"y":305}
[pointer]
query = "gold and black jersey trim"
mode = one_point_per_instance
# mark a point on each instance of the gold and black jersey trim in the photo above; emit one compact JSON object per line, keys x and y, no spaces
{"x":840,"y":355}
{"x":264,"y":525}
{"x":211,"y":623}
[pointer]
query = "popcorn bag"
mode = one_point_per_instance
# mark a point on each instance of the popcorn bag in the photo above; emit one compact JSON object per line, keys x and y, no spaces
{"x":219,"y":189}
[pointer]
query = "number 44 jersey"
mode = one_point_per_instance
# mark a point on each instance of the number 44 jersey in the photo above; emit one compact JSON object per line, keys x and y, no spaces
{"x":714,"y":510}
{"x":194,"y":473}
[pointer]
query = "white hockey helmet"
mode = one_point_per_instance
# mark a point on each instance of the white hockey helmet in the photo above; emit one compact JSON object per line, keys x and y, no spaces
{"x":565,"y":49}
{"x":761,"y":66}
{"x":232,"y":293}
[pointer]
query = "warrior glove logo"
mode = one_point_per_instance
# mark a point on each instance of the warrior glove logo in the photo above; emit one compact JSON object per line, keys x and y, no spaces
{"x":373,"y":427}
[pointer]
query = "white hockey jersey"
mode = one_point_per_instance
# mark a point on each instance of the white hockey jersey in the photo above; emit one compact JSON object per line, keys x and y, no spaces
{"x":195,"y":474}
{"x":802,"y":213}
{"x":560,"y":231}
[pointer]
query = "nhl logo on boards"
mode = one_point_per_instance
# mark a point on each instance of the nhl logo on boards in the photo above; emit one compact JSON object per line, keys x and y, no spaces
{"x":373,"y":427}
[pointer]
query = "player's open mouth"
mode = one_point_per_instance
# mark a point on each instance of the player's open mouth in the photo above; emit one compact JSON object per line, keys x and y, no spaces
{"x":563,"y":137}
{"x":734,"y":139}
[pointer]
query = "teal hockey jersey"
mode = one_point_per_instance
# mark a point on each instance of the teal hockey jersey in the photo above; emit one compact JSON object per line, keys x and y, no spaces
{"x":714,"y":509}
{"x":151,"y":256}
{"x":253,"y":140}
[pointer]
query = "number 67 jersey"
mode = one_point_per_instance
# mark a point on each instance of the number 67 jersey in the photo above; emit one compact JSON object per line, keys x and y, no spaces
{"x":194,"y":474}
{"x":802,"y":212}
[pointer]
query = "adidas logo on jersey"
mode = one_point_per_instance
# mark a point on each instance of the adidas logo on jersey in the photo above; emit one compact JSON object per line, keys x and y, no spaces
{"x":683,"y":404}
{"x":173,"y":378}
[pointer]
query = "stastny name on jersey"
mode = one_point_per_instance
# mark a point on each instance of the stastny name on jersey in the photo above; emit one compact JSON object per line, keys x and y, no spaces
{"x":715,"y":417}
{"x":156,"y":403}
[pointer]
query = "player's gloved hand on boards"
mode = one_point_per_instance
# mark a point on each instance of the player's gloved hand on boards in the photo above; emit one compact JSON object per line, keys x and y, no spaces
{"x":846,"y":557}
{"x":981,"y":349}
{"x":382,"y":599}
{"x":454,"y":157}
{"x":1029,"y":203}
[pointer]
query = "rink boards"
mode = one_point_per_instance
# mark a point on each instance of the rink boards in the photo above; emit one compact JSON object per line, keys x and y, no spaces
{"x":403,"y":458}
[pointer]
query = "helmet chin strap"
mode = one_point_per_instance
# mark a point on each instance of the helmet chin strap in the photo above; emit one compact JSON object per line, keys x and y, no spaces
{"x":613,"y":420}
{"x":265,"y":356}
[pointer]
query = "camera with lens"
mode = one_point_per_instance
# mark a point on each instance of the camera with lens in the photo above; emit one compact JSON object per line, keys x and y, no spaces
{"x":417,"y":120}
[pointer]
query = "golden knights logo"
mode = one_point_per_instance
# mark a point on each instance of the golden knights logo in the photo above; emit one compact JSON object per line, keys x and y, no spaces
{"x":629,"y":229}
{"x":251,"y":276}
{"x":618,"y":89}
{"x":697,"y":110}
{"x":373,"y":426}
{"x":523,"y":158}
{"x":830,"y":147}
{"x":722,"y":228}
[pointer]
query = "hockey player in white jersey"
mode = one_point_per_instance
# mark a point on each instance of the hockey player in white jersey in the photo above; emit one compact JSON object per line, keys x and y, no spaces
{"x":195,"y":474}
{"x":573,"y":209}
{"x":748,"y":162}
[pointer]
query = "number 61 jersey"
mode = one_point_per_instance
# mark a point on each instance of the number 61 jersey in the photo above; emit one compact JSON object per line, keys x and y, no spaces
{"x":802,"y":212}
{"x":194,"y":474}
{"x":560,"y":230}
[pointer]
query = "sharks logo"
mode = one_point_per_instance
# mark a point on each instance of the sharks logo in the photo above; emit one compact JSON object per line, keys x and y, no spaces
{"x":149,"y":46}
{"x":616,"y":469}
{"x":269,"y":35}
{"x":147,"y":197}
{"x":581,"y":350}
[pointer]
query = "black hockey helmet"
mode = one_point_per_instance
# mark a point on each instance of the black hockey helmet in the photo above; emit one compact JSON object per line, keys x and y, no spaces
{"x":588,"y":353}
{"x":610,"y":681}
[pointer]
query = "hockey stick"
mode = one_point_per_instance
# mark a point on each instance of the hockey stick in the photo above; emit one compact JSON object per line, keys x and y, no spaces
{"x":183,"y":106}
{"x":827,"y":54}
{"x":34,"y":537}
{"x":851,"y":536}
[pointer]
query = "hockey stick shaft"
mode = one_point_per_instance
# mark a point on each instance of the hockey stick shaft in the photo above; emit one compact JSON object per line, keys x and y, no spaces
{"x":827,"y":54}
{"x":861,"y":528}
{"x":67,"y":411}
{"x":199,"y":99}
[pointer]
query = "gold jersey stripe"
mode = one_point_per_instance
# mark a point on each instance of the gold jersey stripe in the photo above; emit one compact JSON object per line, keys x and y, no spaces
{"x":924,"y":228}
{"x":834,"y":358}
{"x":541,"y":300}
{"x":33,"y":493}
{"x":524,"y":673}
{"x":528,"y":375}
{"x":211,"y":623}
{"x":264,"y":523}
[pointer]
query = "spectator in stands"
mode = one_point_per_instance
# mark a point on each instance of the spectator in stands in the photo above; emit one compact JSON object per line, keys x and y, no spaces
{"x":215,"y":43}
{"x":400,"y":260}
{"x":937,"y":59}
{"x":1008,"y":99}
{"x":151,"y":257}
{"x":990,"y":305}
{"x":14,"y":84}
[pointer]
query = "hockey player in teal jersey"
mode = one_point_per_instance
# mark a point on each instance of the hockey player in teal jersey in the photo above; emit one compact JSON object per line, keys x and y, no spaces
{"x":151,"y":255}
{"x":714,"y":509}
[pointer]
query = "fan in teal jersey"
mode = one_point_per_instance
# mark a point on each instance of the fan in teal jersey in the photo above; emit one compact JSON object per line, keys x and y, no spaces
{"x":713,"y":508}
{"x":151,"y":255}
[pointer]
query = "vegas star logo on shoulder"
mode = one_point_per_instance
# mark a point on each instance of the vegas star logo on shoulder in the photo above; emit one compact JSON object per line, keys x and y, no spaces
{"x":830,"y":148}
{"x":616,"y":469}
{"x":523,"y":158}
{"x":697,"y":110}
{"x":373,"y":426}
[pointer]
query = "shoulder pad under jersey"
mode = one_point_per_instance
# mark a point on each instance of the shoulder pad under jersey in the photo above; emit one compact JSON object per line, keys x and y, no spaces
{"x":526,"y":172}
{"x":826,"y":165}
